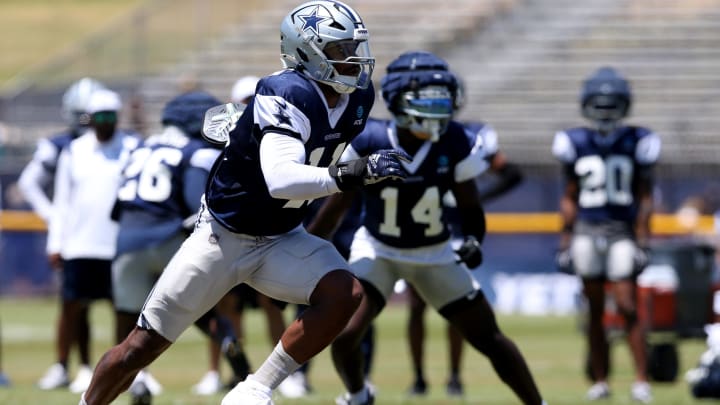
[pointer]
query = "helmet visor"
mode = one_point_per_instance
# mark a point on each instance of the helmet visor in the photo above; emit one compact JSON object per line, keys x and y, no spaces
{"x":430,"y":102}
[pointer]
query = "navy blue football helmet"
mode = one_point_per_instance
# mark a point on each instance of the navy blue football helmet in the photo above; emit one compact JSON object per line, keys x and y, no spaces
{"x":187,"y":111}
{"x":605,"y":98}
{"x":421,"y":93}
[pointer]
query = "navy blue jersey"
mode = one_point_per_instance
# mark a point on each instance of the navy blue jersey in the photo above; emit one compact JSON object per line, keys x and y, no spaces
{"x":344,"y":234}
{"x":162,"y":187}
{"x":409,"y":214}
{"x":286,"y":103}
{"x":607,"y":169}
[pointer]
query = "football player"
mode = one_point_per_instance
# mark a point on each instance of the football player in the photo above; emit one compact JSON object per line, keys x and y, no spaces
{"x":605,"y":209}
{"x":503,"y":176}
{"x":232,"y":306}
{"x":281,"y":154}
{"x":405,"y":235}
{"x":81,"y":235}
{"x":36,"y":185}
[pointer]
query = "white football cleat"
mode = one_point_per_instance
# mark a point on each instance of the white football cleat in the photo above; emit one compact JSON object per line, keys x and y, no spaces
{"x":640,"y":392}
{"x":294,"y":386}
{"x":55,"y":377}
{"x":248,"y":392}
{"x":82,"y":380}
{"x":210,"y":384}
{"x":597,"y":391}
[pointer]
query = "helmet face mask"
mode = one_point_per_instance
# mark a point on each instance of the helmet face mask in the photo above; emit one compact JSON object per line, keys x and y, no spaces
{"x":328,"y":42}
{"x":425,"y":112}
{"x":606,"y":99}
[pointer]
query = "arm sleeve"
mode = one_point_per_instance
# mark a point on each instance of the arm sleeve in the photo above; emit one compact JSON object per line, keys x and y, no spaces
{"x":61,"y":204}
{"x":32,"y":182}
{"x":282,"y":159}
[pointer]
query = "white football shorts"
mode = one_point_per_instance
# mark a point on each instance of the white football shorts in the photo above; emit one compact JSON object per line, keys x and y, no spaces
{"x":603,"y":250}
{"x":432,"y":270}
{"x":135,"y":273}
{"x":213,"y":260}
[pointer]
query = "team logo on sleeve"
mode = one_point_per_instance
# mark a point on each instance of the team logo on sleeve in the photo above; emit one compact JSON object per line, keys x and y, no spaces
{"x":282,"y":115}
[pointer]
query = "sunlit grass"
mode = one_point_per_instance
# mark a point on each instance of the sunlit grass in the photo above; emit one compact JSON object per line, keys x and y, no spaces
{"x":552,"y":345}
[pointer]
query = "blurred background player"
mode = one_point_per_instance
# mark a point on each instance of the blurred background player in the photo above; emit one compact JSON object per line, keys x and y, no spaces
{"x":243,"y":89}
{"x":704,"y":378}
{"x":36,"y":184}
{"x":232,"y":306}
{"x":81,"y":235}
{"x":36,"y":179}
{"x":605,"y":209}
{"x":501,"y":177}
{"x":156,"y":209}
{"x":404,"y":234}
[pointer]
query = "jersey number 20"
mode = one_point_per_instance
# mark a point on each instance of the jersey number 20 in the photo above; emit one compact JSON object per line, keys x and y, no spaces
{"x":605,"y":181}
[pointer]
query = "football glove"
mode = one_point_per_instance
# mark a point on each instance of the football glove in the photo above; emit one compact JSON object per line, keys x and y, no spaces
{"x":381,"y":165}
{"x":470,"y":252}
{"x":563,"y":261}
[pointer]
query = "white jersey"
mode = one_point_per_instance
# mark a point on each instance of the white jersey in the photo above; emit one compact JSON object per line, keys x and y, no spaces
{"x":86,"y":185}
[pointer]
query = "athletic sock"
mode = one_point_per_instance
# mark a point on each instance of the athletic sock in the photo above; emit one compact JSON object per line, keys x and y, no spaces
{"x":276,"y":368}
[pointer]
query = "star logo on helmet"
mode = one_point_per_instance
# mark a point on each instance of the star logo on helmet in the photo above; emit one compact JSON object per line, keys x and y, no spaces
{"x":311,"y":21}
{"x":282,"y":116}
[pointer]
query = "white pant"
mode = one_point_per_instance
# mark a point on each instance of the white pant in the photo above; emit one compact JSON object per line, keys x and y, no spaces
{"x":431,"y":270}
{"x":615,"y":260}
{"x":213,"y":260}
{"x":135,"y":273}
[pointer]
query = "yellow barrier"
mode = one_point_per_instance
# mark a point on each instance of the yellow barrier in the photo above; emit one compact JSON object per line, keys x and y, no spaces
{"x":23,"y":221}
{"x":510,"y":222}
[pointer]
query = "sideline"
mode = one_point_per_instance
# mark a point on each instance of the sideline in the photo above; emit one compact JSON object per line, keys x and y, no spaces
{"x":506,"y":222}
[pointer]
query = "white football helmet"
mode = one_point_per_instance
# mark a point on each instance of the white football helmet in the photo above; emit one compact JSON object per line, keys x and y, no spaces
{"x":328,"y":42}
{"x":75,"y":101}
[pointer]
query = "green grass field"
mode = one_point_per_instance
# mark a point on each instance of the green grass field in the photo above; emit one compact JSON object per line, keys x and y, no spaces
{"x":552,"y":345}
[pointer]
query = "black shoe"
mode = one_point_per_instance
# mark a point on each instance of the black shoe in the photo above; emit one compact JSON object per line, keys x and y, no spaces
{"x":140,"y":394}
{"x":239,"y":363}
{"x":419,"y":388}
{"x":454,"y":387}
